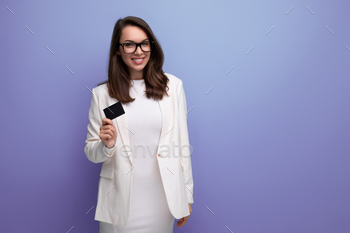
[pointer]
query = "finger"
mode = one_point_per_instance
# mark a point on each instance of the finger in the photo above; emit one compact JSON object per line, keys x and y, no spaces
{"x":108,"y":131}
{"x":106,"y":121}
{"x":105,"y":136}
{"x":186,"y":219}
{"x":108,"y":127}
{"x":179,"y":223}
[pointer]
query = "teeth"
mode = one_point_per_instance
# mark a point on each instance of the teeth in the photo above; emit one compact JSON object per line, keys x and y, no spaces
{"x":138,"y":59}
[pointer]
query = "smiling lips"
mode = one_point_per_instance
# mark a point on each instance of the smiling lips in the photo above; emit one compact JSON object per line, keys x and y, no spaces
{"x":138,"y":60}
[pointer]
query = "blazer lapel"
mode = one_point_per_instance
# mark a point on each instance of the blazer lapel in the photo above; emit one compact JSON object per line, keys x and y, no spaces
{"x":121,"y":121}
{"x":124,"y":132}
{"x":165,"y":106}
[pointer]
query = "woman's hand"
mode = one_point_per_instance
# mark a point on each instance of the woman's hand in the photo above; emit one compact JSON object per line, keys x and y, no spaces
{"x":183,"y":220}
{"x":108,"y":133}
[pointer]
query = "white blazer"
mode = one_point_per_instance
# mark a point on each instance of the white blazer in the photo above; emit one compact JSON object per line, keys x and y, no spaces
{"x":173,"y":156}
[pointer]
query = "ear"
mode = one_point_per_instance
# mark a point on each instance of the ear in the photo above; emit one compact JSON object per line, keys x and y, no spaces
{"x":118,"y":51}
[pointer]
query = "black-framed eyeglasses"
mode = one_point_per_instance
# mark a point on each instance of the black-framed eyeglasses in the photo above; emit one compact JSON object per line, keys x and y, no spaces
{"x":130,"y":47}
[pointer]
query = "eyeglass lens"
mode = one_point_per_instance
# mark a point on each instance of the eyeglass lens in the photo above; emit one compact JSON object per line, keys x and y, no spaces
{"x":130,"y":47}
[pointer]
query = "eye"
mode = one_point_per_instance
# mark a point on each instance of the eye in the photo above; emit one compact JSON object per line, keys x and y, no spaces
{"x":145,"y":43}
{"x":129,"y":44}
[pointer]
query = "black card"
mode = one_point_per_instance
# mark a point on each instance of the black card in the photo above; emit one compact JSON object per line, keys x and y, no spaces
{"x":114,"y":110}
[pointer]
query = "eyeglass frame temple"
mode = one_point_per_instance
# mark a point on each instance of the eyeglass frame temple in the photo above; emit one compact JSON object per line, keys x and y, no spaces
{"x":137,"y":45}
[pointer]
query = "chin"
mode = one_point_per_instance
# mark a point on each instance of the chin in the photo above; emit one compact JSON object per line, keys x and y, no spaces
{"x":139,"y":68}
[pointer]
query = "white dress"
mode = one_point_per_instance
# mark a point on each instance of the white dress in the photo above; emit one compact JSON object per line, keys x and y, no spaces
{"x":149,"y":210}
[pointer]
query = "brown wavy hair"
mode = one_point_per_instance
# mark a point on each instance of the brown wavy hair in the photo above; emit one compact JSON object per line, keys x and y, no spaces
{"x":119,"y":81}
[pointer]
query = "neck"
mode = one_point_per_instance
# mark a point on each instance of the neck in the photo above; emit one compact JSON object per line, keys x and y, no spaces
{"x":136,"y":75}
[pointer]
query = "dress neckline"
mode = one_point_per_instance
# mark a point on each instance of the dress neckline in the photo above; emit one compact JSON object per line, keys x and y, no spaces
{"x":137,"y":81}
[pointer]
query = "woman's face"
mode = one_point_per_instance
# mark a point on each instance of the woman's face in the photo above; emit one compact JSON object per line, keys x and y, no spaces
{"x":137,"y":35}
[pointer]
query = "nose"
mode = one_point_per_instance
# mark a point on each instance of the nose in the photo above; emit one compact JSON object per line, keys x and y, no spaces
{"x":138,"y":50}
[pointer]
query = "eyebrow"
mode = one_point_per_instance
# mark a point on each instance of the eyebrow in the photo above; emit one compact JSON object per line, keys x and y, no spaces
{"x":134,"y":41}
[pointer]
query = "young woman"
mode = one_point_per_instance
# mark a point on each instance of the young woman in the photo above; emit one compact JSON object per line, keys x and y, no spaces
{"x":140,"y":190}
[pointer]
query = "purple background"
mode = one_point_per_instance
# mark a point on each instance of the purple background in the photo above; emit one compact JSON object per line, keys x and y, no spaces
{"x":270,"y":140}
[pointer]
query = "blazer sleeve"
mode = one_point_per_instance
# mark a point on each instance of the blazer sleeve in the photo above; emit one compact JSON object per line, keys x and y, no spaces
{"x":185,"y":148}
{"x":95,"y":149}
